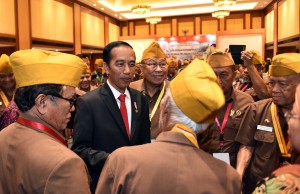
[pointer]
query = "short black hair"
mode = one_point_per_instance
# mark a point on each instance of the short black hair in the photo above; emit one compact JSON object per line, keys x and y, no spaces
{"x":107,"y":50}
{"x":25,"y":96}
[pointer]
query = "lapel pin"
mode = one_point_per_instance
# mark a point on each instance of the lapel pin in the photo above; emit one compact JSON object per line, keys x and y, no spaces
{"x":238,"y":113}
{"x":267,"y":121}
{"x":232,"y":113}
{"x":135,"y":107}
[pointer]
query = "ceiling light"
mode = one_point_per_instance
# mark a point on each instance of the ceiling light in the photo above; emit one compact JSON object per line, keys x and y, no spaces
{"x":153,"y":19}
{"x":224,"y":3}
{"x":140,"y":9}
{"x":220,"y":13}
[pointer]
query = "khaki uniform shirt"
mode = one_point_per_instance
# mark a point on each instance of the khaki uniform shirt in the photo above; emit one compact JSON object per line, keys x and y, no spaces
{"x":209,"y":140}
{"x":266,"y":156}
{"x":170,"y":165}
{"x":34,"y":162}
{"x":140,"y":86}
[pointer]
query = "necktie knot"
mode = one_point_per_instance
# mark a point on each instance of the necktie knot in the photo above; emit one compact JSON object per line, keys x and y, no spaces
{"x":122,"y":97}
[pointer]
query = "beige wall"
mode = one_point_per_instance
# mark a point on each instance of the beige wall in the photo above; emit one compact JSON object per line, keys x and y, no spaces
{"x":287,"y":26}
{"x":114,"y":32}
{"x":7,"y":17}
{"x":51,"y":20}
{"x":269,"y":23}
{"x":92,"y":30}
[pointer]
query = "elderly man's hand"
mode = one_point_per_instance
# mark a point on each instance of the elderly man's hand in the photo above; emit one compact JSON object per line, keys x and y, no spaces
{"x":247,"y":57}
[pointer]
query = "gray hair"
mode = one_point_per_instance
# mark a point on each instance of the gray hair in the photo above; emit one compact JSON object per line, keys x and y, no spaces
{"x":177,"y":116}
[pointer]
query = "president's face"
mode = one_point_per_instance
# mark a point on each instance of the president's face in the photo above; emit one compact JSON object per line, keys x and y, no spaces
{"x":121,"y":67}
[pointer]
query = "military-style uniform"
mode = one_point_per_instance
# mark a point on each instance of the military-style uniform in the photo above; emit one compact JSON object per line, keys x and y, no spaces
{"x":266,"y":156}
{"x":209,"y":140}
{"x":140,"y":86}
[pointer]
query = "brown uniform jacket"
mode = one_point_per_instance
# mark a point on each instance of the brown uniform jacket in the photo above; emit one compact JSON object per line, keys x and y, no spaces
{"x":33,"y":162}
{"x":266,"y":156}
{"x":170,"y":165}
{"x":209,"y":140}
{"x":140,"y":86}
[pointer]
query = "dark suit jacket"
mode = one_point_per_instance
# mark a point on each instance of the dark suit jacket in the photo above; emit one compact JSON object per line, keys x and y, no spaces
{"x":99,"y":127}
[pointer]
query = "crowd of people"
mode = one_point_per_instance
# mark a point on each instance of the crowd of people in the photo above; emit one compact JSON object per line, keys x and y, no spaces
{"x":155,"y":126}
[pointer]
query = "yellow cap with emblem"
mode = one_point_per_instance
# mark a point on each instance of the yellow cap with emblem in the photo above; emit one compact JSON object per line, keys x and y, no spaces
{"x":285,"y":64}
{"x":35,"y":66}
{"x":197,"y":92}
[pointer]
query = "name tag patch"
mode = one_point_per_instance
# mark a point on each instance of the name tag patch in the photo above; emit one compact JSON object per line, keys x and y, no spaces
{"x":264,"y":128}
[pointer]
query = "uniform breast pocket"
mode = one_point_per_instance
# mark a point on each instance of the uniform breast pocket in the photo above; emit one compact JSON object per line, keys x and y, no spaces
{"x":232,"y":128}
{"x":264,"y":143}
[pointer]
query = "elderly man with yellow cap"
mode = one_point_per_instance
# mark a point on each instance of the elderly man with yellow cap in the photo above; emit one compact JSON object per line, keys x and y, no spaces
{"x":154,"y":68}
{"x":263,"y":132}
{"x":174,"y":163}
{"x":219,"y":138}
{"x":34,"y":156}
{"x":7,"y":82}
{"x":251,"y":80}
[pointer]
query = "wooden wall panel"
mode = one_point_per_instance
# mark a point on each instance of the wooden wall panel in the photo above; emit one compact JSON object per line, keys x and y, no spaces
{"x":163,"y":29}
{"x":235,"y":24}
{"x":124,"y":31}
{"x":114,"y":32}
{"x":92,"y":30}
{"x":287,"y":27}
{"x":209,"y":26}
{"x":256,"y":22}
{"x":52,"y":20}
{"x":269,"y":23}
{"x":7,"y":17}
{"x":142,"y":30}
{"x":185,"y":26}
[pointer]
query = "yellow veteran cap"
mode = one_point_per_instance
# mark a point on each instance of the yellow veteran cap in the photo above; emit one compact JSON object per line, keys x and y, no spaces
{"x":34,"y":66}
{"x":99,"y":62}
{"x":153,"y":51}
{"x":220,"y":59}
{"x":5,"y":66}
{"x":256,"y":57}
{"x":197,"y":93}
{"x":285,"y":64}
{"x":86,"y":69}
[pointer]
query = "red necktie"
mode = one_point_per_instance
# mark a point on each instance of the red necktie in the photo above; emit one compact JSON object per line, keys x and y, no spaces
{"x":124,"y":112}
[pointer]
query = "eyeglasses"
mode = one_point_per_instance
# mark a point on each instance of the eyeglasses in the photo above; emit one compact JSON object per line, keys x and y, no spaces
{"x":71,"y":100}
{"x":153,"y":65}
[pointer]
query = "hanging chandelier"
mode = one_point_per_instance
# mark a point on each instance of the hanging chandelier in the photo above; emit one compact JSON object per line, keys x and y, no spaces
{"x":224,"y":3}
{"x":153,"y":19}
{"x":140,"y":9}
{"x":220,"y":13}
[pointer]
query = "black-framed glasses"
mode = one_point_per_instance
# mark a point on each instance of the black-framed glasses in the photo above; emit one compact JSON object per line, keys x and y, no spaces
{"x":71,"y":100}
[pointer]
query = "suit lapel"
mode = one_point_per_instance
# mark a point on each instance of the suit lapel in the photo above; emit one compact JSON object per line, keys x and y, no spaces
{"x":112,"y":106}
{"x":135,"y":107}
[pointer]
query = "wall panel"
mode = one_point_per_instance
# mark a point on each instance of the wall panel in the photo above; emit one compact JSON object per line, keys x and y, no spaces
{"x":286,"y":26}
{"x":256,"y":22}
{"x":7,"y":17}
{"x":142,"y":30}
{"x":235,"y":24}
{"x":51,"y":20}
{"x":209,"y":27}
{"x":185,"y":26}
{"x":163,"y":29}
{"x":92,"y":30}
{"x":269,"y":23}
{"x":114,"y":32}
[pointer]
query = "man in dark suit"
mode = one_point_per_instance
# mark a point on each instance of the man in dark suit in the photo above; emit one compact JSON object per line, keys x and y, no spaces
{"x":99,"y":125}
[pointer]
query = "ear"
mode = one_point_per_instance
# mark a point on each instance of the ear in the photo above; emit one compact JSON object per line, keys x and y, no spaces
{"x":106,"y":67}
{"x":41,"y":102}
